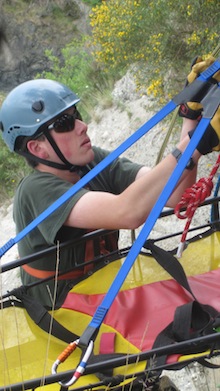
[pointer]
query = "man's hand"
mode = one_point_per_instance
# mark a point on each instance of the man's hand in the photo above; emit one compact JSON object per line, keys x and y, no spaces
{"x":199,"y":65}
{"x":193,"y":110}
{"x":211,"y":139}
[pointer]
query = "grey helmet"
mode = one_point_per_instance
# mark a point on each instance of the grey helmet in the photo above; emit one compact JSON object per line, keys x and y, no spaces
{"x":31,"y":105}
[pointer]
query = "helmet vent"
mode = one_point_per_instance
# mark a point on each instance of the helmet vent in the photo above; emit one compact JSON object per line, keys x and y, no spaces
{"x":38,"y":106}
{"x":15,"y":127}
{"x":1,"y":126}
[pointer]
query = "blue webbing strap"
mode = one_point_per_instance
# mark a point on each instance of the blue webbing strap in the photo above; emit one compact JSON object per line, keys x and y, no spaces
{"x":209,"y":111}
{"x":187,"y":94}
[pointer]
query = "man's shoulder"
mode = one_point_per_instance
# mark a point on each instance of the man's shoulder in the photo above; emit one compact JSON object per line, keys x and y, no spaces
{"x":37,"y":184}
{"x":36,"y":177}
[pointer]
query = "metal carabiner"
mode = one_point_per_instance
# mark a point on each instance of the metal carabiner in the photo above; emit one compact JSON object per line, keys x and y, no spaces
{"x":82,"y":365}
{"x":64,"y":355}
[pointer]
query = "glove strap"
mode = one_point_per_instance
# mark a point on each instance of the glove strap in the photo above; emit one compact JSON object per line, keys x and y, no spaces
{"x":186,"y":112}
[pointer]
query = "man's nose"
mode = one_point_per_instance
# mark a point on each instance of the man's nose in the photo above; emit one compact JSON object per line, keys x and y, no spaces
{"x":80,"y":127}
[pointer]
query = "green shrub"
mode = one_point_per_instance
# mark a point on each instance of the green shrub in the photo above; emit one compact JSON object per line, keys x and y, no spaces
{"x":92,"y":3}
{"x":76,"y":69}
{"x":12,"y":169}
{"x":159,"y":36}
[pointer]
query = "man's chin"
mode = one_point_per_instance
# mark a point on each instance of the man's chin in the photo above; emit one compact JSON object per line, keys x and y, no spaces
{"x":88,"y":158}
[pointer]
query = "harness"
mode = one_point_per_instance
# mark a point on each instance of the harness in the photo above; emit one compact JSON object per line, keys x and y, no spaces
{"x":102,"y":245}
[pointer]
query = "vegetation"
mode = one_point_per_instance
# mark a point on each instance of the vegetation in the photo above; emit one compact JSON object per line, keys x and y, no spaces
{"x":159,"y":36}
{"x":12,"y":169}
{"x":157,"y":39}
{"x":76,"y":68}
{"x":92,"y":3}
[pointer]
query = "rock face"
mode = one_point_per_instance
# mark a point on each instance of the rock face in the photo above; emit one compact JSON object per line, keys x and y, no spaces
{"x":27,"y":29}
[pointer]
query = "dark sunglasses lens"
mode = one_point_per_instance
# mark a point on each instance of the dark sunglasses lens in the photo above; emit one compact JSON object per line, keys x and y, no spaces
{"x":65,"y":123}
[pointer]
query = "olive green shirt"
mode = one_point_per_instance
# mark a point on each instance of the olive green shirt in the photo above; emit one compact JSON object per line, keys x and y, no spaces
{"x":35,"y":194}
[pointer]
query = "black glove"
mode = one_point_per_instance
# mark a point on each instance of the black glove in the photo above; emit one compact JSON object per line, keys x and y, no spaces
{"x":193,"y":110}
{"x":210,"y":140}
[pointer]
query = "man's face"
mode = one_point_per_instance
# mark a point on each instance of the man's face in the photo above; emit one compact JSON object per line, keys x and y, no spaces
{"x":75,"y":145}
{"x":71,"y":137}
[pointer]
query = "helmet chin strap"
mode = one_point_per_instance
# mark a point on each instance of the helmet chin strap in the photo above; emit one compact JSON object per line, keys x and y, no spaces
{"x":66,"y":166}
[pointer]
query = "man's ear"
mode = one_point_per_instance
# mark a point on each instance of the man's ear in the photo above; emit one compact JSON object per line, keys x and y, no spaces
{"x":37,"y":148}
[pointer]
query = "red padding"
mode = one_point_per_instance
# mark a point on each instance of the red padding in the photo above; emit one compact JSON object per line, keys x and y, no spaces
{"x":107,"y":343}
{"x":148,"y":309}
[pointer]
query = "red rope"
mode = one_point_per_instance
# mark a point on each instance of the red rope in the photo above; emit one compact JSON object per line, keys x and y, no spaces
{"x":191,"y":199}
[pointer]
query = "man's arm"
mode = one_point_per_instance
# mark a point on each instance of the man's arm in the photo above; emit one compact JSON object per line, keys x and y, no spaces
{"x":130,"y":209}
{"x":186,"y":180}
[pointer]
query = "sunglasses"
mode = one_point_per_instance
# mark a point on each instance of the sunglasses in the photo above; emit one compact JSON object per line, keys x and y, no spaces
{"x":65,"y":123}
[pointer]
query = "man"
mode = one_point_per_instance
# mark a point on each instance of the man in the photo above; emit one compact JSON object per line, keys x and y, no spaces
{"x":40,"y":120}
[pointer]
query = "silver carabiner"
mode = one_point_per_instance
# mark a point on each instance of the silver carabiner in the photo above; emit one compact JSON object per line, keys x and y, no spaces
{"x":82,"y":365}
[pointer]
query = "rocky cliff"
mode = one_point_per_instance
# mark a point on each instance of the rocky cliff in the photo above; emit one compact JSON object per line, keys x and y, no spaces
{"x":28,"y":28}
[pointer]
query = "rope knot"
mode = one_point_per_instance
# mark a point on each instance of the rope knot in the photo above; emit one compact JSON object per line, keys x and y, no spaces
{"x":191,"y":199}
